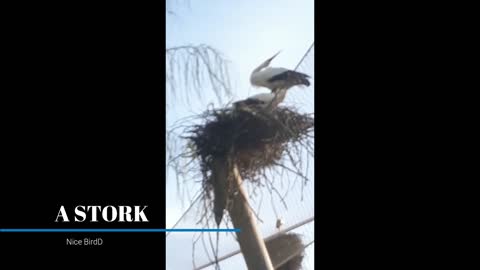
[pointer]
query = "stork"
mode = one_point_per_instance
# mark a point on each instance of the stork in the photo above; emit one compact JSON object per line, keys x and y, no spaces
{"x":262,"y":101}
{"x":275,"y":78}
{"x":280,"y":223}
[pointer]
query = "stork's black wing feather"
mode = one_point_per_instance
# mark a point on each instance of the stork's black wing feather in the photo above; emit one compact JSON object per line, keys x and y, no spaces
{"x":291,"y":76}
{"x":249,"y":102}
{"x":252,"y":101}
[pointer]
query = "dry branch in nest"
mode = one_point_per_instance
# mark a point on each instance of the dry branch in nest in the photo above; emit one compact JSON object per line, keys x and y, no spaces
{"x":252,"y":140}
{"x":286,"y":251}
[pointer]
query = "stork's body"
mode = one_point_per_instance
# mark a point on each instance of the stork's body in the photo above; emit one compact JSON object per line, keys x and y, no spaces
{"x":275,"y":78}
{"x":278,"y":80}
{"x":262,"y":101}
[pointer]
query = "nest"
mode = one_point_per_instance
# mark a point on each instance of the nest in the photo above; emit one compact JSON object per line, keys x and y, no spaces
{"x":286,"y":251}
{"x":253,"y":140}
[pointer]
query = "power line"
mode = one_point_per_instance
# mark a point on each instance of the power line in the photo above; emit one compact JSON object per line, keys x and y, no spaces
{"x":305,"y":55}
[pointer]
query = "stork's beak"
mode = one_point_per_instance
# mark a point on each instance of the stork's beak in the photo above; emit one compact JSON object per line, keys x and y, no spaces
{"x":271,"y":58}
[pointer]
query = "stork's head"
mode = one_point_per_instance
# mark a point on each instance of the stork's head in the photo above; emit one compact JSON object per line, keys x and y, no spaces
{"x":266,"y":63}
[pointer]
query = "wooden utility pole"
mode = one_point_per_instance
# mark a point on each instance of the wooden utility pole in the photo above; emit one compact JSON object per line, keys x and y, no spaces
{"x":251,"y":242}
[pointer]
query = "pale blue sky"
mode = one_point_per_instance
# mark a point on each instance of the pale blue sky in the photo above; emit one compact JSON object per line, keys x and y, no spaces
{"x":247,"y":33}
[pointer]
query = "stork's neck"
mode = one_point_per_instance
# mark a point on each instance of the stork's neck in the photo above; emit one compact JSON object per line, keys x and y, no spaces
{"x":258,"y":69}
{"x":253,"y":76}
{"x":263,"y":65}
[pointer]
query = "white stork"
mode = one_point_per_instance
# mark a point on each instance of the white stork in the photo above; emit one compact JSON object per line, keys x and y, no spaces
{"x":275,"y":78}
{"x":280,"y":223}
{"x":262,"y":101}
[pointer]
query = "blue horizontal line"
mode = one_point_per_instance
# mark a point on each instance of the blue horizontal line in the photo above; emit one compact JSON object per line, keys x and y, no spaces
{"x":119,"y":230}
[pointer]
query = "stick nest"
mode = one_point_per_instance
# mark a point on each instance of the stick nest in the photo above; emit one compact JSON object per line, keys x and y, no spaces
{"x":254,"y":140}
